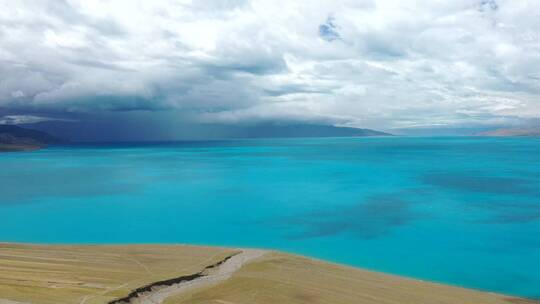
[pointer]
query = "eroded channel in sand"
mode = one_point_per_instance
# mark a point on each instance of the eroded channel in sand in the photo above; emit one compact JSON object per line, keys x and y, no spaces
{"x":157,"y":292}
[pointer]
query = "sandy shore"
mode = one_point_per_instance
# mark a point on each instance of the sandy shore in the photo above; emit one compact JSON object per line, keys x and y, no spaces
{"x":205,"y":275}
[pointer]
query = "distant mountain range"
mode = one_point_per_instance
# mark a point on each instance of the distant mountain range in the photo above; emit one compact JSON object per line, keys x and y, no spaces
{"x":512,"y":132}
{"x":14,"y":138}
{"x":302,"y":130}
{"x":127,"y":131}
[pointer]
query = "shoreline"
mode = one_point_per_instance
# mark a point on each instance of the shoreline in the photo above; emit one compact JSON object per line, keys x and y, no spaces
{"x":7,"y":148}
{"x":149,"y":266}
{"x":292,"y":254}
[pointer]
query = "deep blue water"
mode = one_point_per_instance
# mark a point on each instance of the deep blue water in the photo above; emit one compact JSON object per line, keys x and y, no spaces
{"x":464,"y":211}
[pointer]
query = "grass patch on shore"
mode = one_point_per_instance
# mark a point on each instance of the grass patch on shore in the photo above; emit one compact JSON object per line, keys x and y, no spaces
{"x":282,"y":278}
{"x":93,"y":274}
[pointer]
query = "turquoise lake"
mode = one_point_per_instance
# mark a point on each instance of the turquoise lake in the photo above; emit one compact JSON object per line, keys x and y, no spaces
{"x":458,"y":210}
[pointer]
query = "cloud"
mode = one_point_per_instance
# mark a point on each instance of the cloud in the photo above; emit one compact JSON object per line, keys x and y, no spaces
{"x":23,"y":119}
{"x":365,"y":63}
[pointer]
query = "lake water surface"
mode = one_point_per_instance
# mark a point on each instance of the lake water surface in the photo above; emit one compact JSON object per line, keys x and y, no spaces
{"x":464,"y":211}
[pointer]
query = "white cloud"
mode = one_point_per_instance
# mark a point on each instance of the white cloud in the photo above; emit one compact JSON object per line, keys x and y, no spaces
{"x":378,"y":64}
{"x":23,"y":119}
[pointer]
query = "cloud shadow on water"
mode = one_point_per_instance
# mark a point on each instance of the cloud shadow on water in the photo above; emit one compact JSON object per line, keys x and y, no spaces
{"x":517,"y":218}
{"x":509,"y":212}
{"x":472,"y":182}
{"x":507,"y":200}
{"x":368,"y":219}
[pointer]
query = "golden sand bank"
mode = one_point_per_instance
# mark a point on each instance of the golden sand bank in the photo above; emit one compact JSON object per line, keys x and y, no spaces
{"x":205,"y":275}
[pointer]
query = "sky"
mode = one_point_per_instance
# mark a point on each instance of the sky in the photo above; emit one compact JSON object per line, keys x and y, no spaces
{"x":379,"y":64}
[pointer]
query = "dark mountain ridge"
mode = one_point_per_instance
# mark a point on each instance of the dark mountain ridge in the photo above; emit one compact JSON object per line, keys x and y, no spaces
{"x":128,"y":131}
{"x":14,"y":138}
{"x":530,"y":131}
{"x":304,"y":130}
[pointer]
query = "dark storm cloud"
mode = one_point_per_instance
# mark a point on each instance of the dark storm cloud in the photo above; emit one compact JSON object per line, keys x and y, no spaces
{"x":360,"y":63}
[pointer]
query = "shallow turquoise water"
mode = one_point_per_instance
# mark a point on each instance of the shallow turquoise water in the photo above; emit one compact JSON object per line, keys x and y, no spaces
{"x":464,"y":211}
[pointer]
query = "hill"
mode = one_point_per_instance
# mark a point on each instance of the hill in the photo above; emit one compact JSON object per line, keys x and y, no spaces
{"x":14,"y":138}
{"x":81,"y":131}
{"x":512,"y":132}
{"x":303,"y":130}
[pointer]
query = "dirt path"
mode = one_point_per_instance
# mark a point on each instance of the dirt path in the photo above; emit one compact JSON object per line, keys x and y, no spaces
{"x":211,"y":275}
{"x":3,"y":301}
